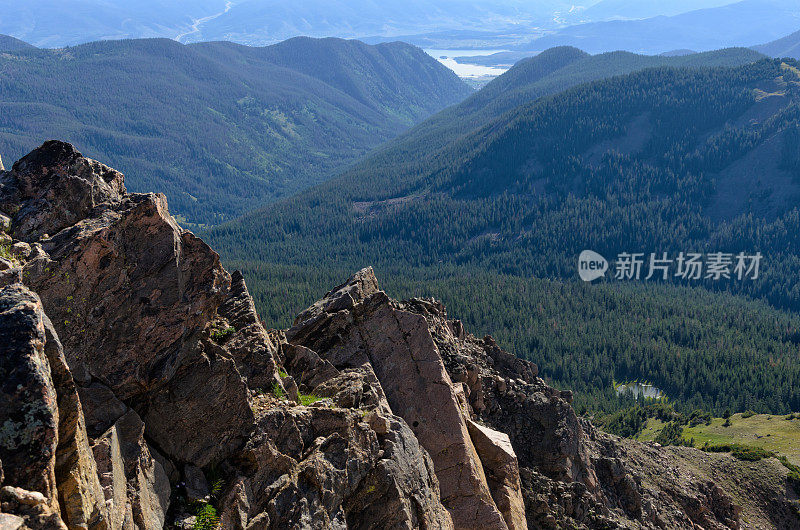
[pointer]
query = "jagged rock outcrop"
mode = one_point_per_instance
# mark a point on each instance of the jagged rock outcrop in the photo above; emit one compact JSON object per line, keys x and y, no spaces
{"x":43,"y":440}
{"x":156,"y":394}
{"x":175,"y":372}
{"x":357,"y":326}
{"x":317,"y":467}
{"x":135,"y":297}
{"x":544,"y":466}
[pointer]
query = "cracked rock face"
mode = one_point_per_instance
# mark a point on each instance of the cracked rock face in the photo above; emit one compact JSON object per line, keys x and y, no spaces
{"x":316,"y":467}
{"x":174,"y":370}
{"x":43,"y":440}
{"x":357,"y":326}
{"x":136,"y":378}
{"x":134,"y":297}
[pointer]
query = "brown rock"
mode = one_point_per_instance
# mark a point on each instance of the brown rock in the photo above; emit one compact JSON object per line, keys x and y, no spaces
{"x":196,"y":485}
{"x":355,"y":290}
{"x":502,"y":473}
{"x":133,"y":297}
{"x":21,"y":250}
{"x":41,"y":183}
{"x":250,"y":345}
{"x":357,"y":325}
{"x":79,"y":490}
{"x":317,"y":467}
{"x":351,"y":388}
{"x":46,"y":448}
{"x":10,"y":277}
{"x":101,"y":408}
{"x":111,"y":470}
{"x":169,"y":468}
{"x":28,"y":401}
{"x":237,"y":505}
{"x":11,"y":522}
{"x":147,"y":483}
{"x":32,"y":507}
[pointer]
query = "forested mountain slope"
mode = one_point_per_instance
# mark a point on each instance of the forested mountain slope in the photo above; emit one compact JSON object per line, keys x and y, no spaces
{"x":8,"y":44}
{"x":220,"y":128}
{"x":662,"y":160}
{"x":548,"y":73}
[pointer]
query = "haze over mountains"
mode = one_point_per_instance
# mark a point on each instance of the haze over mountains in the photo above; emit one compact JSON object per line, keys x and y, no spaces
{"x":220,"y":127}
{"x":260,"y":21}
{"x":648,"y":26}
{"x":745,"y":23}
{"x":55,"y":24}
{"x":636,"y":9}
{"x":788,"y":46}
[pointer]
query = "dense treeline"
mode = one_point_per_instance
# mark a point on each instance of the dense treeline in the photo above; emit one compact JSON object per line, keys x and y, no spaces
{"x":524,"y":196}
{"x":8,"y":44}
{"x":704,"y":350}
{"x":631,"y":164}
{"x":548,"y":73}
{"x":220,"y":128}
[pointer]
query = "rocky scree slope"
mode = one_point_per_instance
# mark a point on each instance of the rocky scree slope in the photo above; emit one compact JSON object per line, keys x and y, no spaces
{"x":136,"y":376}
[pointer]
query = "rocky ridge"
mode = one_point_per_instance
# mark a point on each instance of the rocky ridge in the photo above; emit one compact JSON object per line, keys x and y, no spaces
{"x":139,"y":385}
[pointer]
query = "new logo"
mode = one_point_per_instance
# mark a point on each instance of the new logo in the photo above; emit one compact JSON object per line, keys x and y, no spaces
{"x":591,"y":265}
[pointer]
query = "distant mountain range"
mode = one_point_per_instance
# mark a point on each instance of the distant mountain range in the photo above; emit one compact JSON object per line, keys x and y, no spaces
{"x":258,"y":22}
{"x":638,"y":9}
{"x":745,"y":23}
{"x":590,"y":24}
{"x":788,"y":46}
{"x":49,"y":24}
{"x":219,"y":127}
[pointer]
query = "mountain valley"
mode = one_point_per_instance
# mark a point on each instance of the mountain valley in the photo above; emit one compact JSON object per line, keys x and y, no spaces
{"x":220,"y":128}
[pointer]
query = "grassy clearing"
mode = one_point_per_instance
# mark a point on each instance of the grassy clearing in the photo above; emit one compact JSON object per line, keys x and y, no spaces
{"x":309,"y":399}
{"x":768,"y":432}
{"x":651,"y":430}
